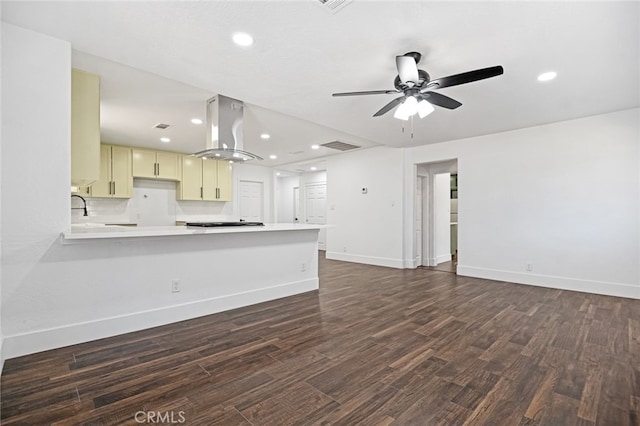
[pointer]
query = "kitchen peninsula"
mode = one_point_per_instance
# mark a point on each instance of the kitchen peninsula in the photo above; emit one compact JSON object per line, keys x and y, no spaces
{"x":118,"y":279}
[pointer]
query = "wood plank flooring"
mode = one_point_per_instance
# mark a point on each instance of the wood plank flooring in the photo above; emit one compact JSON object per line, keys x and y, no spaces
{"x":375,"y":346}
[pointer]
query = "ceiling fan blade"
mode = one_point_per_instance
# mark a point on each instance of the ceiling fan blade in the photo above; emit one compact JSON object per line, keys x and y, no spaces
{"x":388,"y":107}
{"x":407,"y":69}
{"x":369,"y":92}
{"x":465,"y":77}
{"x":440,"y":100}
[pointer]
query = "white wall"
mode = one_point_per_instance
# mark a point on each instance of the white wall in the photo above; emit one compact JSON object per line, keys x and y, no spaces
{"x":564,"y":197}
{"x":368,"y":228}
{"x":1,"y":335}
{"x":36,"y":104}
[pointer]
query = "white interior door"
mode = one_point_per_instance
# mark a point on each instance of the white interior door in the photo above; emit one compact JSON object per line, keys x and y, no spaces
{"x":316,"y":209}
{"x":251,"y":201}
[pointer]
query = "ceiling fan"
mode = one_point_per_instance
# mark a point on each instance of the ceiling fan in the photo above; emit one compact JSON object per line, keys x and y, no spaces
{"x":417,"y":88}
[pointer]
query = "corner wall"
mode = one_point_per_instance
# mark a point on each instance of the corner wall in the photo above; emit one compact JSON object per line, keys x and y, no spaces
{"x":563,"y":197}
{"x":36,"y":121}
{"x":365,"y":228}
{"x":1,"y":334}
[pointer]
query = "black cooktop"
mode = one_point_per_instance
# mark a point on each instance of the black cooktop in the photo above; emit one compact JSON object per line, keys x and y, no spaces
{"x":221,"y":224}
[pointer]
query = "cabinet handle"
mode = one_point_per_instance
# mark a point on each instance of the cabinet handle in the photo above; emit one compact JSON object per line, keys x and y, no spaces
{"x":114,"y":187}
{"x":157,"y":169}
{"x":201,"y":196}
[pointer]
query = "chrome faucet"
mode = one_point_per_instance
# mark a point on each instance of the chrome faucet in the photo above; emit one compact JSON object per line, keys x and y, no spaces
{"x":83,"y":208}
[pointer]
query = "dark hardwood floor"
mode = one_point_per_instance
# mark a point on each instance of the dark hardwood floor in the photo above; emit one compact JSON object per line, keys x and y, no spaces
{"x":374,"y":346}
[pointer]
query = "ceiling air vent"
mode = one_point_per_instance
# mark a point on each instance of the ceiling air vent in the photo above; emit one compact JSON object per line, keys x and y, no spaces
{"x":340,"y":146}
{"x":161,"y":126}
{"x":333,"y":5}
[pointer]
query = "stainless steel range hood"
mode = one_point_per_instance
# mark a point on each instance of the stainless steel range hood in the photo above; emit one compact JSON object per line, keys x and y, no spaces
{"x":224,"y":131}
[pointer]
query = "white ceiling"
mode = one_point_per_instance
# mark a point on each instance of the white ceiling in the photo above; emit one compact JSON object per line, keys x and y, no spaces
{"x":303,"y":53}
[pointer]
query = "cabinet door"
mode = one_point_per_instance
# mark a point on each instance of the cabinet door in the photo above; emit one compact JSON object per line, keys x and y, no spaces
{"x":224,"y":177}
{"x":121,"y":177}
{"x":144,"y":163}
{"x":102,"y":187}
{"x":209,"y":180}
{"x":191,"y":182}
{"x":85,"y":128}
{"x":167,"y":165}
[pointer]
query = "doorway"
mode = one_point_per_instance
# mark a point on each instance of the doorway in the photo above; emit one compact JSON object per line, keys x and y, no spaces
{"x":251,"y":194}
{"x":316,"y":209}
{"x":436,"y":228}
{"x":296,"y":204}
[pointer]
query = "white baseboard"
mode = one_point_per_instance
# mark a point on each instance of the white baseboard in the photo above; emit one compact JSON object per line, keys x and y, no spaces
{"x":368,"y":260}
{"x":562,"y":283}
{"x":42,"y":340}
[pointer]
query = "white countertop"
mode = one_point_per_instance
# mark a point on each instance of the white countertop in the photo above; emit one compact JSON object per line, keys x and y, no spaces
{"x":100,"y":232}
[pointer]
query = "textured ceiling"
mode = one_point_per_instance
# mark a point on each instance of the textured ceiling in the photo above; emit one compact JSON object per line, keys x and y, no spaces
{"x":303,"y":53}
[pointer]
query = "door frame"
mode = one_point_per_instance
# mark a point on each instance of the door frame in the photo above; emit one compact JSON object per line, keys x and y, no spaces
{"x":427,"y":238}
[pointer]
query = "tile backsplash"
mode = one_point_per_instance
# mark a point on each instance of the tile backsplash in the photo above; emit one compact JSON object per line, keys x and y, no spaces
{"x":153,"y":204}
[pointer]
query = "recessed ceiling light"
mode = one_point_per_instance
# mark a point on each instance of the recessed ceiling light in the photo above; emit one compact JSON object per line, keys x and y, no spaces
{"x":277,"y":173}
{"x":196,"y":121}
{"x":265,"y":136}
{"x":242,"y":39}
{"x":273,"y":156}
{"x":315,"y":146}
{"x":165,"y":140}
{"x":546,"y":76}
{"x":314,"y":168}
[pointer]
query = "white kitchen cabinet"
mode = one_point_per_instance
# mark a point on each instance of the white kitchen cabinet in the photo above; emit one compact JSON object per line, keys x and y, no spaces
{"x":156,"y":164}
{"x":116,"y":180}
{"x":209,"y":180}
{"x":85,"y":128}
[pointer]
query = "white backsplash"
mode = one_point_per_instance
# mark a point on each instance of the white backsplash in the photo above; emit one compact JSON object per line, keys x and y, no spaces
{"x":153,"y":203}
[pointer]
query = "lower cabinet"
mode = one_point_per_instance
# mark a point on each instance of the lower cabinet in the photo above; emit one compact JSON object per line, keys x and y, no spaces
{"x":208,"y":180}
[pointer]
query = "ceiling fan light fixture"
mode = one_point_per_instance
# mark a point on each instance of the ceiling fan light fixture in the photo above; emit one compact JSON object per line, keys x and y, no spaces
{"x":407,"y":108}
{"x":401,"y":114}
{"x":424,"y":108}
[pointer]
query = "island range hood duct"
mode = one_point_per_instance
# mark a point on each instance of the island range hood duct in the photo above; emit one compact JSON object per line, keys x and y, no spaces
{"x":224,"y":131}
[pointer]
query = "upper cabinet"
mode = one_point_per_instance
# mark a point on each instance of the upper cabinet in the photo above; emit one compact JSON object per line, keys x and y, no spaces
{"x":115,"y":173}
{"x":156,"y":164}
{"x":85,"y":128}
{"x":208,"y":180}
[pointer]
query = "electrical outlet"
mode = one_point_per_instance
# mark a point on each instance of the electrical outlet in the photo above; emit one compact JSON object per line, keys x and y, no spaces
{"x":344,"y":249}
{"x":175,"y":286}
{"x":529,"y":267}
{"x":303,"y":267}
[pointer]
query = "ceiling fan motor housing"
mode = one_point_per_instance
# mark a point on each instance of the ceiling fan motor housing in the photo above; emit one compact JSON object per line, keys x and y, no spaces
{"x":425,"y":78}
